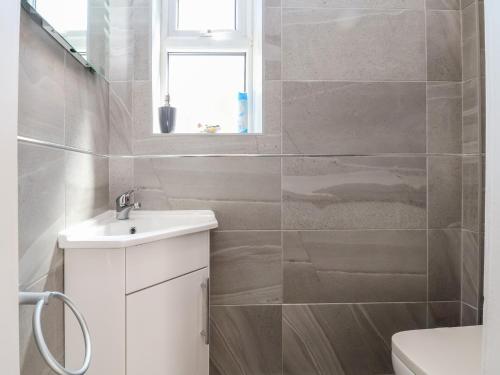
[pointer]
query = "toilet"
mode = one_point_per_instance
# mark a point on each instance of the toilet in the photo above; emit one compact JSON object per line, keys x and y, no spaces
{"x":440,"y":351}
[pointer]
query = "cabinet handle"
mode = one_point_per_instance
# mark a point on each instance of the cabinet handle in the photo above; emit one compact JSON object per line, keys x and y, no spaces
{"x":205,"y":286}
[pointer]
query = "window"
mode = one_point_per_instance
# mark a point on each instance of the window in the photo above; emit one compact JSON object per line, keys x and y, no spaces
{"x":207,"y":65}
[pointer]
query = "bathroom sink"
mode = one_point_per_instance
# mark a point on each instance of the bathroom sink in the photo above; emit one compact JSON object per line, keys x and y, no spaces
{"x":105,"y":231}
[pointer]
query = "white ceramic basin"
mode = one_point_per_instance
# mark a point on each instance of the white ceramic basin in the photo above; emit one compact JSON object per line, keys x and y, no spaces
{"x":105,"y":231}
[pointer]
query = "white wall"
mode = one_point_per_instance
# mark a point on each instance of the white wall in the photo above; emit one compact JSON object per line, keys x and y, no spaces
{"x":9,"y":65}
{"x":491,"y":344}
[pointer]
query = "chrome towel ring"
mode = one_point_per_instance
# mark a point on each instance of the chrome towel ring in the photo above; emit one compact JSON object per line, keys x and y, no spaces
{"x":40,"y":300}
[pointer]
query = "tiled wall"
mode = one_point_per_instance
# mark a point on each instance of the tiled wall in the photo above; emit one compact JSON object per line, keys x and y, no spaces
{"x":356,"y":233}
{"x":63,"y":103}
{"x":323,"y":253}
{"x":473,"y":160}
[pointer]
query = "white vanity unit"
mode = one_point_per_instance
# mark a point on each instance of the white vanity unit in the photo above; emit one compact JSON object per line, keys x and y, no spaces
{"x":142,"y":286}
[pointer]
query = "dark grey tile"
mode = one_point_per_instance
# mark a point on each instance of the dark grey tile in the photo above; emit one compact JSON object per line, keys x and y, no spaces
{"x":41,"y":211}
{"x":445,"y":191}
{"x":345,"y":339}
{"x":354,"y":193}
{"x":444,"y":117}
{"x":367,"y":4}
{"x":32,"y":362}
{"x":471,"y":193}
{"x":470,"y":315}
{"x":332,"y":267}
{"x":87,"y":186}
{"x":87,"y":108}
{"x":353,"y":117}
{"x":470,"y":42}
{"x":245,"y":268}
{"x":443,"y":4}
{"x":353,"y":44}
{"x":244,"y":192}
{"x":271,"y":48}
{"x":471,"y":117}
{"x":444,"y":264}
{"x":41,"y":83}
{"x":444,"y":54}
{"x":245,"y":340}
{"x":271,"y":108}
{"x":444,"y":314}
{"x":471,"y":267}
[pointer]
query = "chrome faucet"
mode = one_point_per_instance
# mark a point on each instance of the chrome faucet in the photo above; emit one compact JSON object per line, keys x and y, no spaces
{"x":124,"y":204}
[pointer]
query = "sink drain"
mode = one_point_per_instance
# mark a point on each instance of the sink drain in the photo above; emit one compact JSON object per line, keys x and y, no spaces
{"x":132,"y":230}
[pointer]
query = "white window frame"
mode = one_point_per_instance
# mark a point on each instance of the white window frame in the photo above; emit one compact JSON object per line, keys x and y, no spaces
{"x":239,"y":41}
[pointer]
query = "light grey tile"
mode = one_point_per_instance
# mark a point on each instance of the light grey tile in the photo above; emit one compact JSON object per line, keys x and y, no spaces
{"x":444,"y":117}
{"x":466,"y":3}
{"x":142,"y":109}
{"x":272,"y":3}
{"x":120,"y":118}
{"x":41,"y":211}
{"x":87,"y":186}
{"x":245,"y":340}
{"x":354,"y":118}
{"x":331,"y":266}
{"x":129,"y":3}
{"x":87,"y":108}
{"x":470,"y":315}
{"x":271,"y":49}
{"x":470,"y":43}
{"x":244,"y":192}
{"x":354,"y":193}
{"x":245,"y":268}
{"x":178,"y":144}
{"x":445,"y":191}
{"x":32,"y":362}
{"x":354,"y":44}
{"x":121,"y":178}
{"x":444,"y":58}
{"x":471,"y":193}
{"x":98,"y":37}
{"x":444,"y":314}
{"x":471,"y":268}
{"x":142,"y":23}
{"x":121,"y":44}
{"x":471,"y":143}
{"x":345,"y":339}
{"x":41,"y":83}
{"x":444,"y":264}
{"x":375,"y":4}
{"x":443,"y":4}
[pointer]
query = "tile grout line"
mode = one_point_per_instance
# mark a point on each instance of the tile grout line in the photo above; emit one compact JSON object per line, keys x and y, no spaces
{"x":427,"y":310}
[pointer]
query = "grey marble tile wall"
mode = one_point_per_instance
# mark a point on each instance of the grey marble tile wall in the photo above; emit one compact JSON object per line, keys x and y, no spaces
{"x":473,"y":114}
{"x":64,"y":103}
{"x":352,"y":229}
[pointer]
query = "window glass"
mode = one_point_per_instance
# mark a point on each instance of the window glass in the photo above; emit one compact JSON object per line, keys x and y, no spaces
{"x":205,"y":90}
{"x":202,"y":15}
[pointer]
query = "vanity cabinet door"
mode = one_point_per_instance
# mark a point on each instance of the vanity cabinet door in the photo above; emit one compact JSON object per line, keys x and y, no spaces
{"x":164,"y":325}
